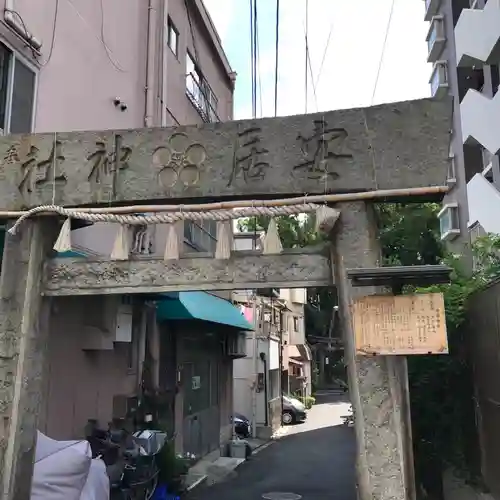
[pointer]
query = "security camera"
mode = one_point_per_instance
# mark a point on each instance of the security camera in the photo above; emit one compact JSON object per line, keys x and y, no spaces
{"x":117,"y":101}
{"x":123,"y":107}
{"x":335,"y":308}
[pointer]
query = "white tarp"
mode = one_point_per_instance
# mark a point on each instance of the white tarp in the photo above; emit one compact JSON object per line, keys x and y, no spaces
{"x":64,"y":470}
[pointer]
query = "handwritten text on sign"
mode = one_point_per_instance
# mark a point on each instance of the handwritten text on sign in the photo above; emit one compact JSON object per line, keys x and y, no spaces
{"x":404,"y":324}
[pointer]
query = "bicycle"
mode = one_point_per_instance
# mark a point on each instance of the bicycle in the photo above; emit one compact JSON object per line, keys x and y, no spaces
{"x":133,"y":473}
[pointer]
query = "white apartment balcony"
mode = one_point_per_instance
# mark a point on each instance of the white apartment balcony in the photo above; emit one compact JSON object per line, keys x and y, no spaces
{"x":477,"y":35}
{"x":439,"y":80}
{"x":481,"y":120}
{"x":431,"y":8}
{"x":436,"y":38}
{"x":484,"y":204}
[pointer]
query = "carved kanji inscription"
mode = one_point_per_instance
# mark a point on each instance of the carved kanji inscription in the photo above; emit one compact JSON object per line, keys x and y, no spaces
{"x":37,"y":171}
{"x":320,"y":149}
{"x":105,"y":160}
{"x":250,"y":157}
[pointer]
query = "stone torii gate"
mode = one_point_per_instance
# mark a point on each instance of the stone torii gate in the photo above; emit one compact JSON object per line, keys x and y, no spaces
{"x":396,"y":147}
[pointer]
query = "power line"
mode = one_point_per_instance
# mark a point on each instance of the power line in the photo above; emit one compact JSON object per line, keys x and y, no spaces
{"x":253,"y":53}
{"x":53,"y":39}
{"x":257,"y":62}
{"x":311,"y":74}
{"x":383,"y":51}
{"x":307,"y":52}
{"x":324,"y":53}
{"x":276,"y":58}
{"x":103,"y":40}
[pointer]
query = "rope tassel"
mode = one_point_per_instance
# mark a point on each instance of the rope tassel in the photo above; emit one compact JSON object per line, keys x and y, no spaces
{"x":326,"y":217}
{"x":224,"y":240}
{"x":172,"y":245}
{"x":63,"y":242}
{"x":121,"y":245}
{"x":271,"y":244}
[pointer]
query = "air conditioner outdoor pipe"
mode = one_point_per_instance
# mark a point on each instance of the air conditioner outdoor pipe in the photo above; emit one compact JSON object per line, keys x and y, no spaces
{"x":13,"y":21}
{"x":150,"y":67}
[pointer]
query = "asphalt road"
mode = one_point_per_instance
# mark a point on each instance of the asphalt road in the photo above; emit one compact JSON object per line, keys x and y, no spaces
{"x":314,"y":459}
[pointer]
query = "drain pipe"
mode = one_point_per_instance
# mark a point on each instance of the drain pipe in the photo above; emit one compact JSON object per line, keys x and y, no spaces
{"x":14,"y":22}
{"x":150,"y":67}
{"x":164,"y":56}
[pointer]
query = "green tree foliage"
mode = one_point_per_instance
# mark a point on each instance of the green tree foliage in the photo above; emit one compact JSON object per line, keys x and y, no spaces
{"x":441,"y":387}
{"x":296,"y":232}
{"x":409,"y":234}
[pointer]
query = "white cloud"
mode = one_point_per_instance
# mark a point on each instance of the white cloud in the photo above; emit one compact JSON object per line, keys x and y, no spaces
{"x":349,"y":71}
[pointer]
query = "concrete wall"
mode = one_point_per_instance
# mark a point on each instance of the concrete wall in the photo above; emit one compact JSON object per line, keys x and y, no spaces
{"x":243,"y":373}
{"x":81,"y":383}
{"x":77,"y":81}
{"x":455,"y":489}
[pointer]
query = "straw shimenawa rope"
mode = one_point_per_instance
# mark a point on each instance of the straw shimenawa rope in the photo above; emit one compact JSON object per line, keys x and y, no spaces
{"x":166,"y":218}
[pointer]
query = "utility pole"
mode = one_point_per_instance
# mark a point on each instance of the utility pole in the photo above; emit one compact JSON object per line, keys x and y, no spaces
{"x":281,"y":365}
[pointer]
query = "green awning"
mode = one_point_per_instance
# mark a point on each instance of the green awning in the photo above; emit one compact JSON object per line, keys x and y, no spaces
{"x":70,"y":253}
{"x":200,"y":306}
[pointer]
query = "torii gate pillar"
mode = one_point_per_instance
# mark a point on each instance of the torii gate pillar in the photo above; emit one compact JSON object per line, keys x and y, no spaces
{"x":378,"y":385}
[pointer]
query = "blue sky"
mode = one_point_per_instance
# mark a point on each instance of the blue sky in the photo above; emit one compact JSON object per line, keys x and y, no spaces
{"x":357,"y":30}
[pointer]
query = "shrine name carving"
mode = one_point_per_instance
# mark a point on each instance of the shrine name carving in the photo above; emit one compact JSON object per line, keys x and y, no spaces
{"x":392,"y":146}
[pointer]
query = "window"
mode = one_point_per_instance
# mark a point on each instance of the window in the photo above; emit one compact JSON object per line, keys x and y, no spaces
{"x":17,"y":93}
{"x":449,"y":221}
{"x":295,"y":324}
{"x":439,"y":80}
{"x":201,"y":236}
{"x":435,"y":38}
{"x":173,"y":37}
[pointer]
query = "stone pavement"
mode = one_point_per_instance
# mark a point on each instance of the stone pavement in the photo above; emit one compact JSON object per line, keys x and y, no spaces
{"x":314,"y":460}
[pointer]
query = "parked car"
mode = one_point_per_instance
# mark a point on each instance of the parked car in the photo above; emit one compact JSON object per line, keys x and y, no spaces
{"x":242,"y":426}
{"x":293,"y":411}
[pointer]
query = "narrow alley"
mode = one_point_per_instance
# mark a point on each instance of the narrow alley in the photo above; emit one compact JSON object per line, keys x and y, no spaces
{"x":313,"y":461}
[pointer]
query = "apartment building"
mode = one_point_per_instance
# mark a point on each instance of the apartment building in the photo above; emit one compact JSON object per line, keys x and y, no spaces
{"x":464,"y":47}
{"x":74,"y":65}
{"x":278,"y":359}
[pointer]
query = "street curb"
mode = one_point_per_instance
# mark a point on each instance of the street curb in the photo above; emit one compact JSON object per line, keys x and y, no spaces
{"x":204,"y":478}
{"x":261,"y":447}
{"x":197,"y":483}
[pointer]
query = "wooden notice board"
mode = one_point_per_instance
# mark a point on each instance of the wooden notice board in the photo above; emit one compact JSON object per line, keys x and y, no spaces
{"x":402,"y":324}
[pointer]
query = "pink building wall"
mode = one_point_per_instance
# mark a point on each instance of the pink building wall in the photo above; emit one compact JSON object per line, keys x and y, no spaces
{"x":97,"y":56}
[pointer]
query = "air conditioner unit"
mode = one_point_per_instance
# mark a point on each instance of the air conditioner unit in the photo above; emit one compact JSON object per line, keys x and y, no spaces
{"x":235,"y":345}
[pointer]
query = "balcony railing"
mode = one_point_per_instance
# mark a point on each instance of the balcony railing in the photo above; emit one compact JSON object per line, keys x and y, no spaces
{"x":199,"y":94}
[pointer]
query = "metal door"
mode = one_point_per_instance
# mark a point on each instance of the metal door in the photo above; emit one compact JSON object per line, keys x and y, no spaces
{"x":201,"y":427}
